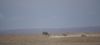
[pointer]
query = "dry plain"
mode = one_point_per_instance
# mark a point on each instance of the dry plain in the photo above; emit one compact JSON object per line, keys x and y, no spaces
{"x":45,"y":40}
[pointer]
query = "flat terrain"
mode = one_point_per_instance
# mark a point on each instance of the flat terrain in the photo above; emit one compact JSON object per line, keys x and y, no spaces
{"x":43,"y":40}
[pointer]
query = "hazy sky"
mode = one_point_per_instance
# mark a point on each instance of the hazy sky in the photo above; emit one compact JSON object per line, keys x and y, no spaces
{"x":16,"y":14}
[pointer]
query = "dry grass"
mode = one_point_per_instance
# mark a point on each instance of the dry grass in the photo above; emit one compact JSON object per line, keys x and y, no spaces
{"x":42,"y":40}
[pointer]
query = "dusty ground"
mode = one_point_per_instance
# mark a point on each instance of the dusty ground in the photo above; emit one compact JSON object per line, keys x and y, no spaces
{"x":42,"y":40}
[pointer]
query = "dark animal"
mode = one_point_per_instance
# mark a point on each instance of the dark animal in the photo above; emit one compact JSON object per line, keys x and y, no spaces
{"x":83,"y":35}
{"x":45,"y":33}
{"x":64,"y":34}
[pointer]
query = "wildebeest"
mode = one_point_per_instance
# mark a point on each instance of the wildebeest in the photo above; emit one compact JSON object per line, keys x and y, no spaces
{"x":45,"y":33}
{"x":83,"y":35}
{"x":64,"y":34}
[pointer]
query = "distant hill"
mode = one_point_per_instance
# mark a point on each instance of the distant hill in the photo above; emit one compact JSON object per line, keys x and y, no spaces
{"x":50,"y":30}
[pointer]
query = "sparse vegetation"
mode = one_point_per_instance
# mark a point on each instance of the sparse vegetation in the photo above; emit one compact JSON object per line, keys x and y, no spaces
{"x":43,"y":40}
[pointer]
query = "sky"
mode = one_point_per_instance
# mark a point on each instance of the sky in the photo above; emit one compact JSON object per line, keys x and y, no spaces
{"x":26,"y":14}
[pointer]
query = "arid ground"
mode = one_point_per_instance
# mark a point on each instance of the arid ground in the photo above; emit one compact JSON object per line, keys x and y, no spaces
{"x":45,"y":40}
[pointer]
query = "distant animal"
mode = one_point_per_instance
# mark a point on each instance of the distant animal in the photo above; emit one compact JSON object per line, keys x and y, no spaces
{"x":83,"y":35}
{"x":64,"y":34}
{"x":45,"y":33}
